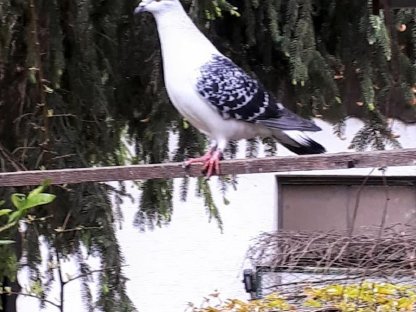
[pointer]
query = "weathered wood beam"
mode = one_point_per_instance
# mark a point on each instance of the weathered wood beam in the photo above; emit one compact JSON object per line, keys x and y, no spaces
{"x":393,"y":4}
{"x":402,"y":157}
{"x":398,"y":4}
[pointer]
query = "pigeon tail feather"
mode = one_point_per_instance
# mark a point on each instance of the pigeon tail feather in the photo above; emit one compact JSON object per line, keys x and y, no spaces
{"x":299,"y":143}
{"x":287,"y":120}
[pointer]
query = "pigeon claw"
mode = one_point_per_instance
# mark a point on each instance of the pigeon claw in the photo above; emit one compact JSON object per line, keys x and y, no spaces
{"x":212,"y":165}
{"x":203,"y":159}
{"x":210,"y":161}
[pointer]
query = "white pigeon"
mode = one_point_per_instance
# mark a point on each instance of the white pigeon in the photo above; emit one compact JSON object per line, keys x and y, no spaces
{"x":215,"y":95}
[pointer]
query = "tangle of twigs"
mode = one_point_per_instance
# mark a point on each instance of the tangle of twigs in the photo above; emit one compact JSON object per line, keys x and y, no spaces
{"x":371,"y":252}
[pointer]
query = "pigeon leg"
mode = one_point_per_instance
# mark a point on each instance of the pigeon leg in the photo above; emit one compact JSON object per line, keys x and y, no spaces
{"x":212,"y":165}
{"x":203,"y":159}
{"x":211,"y":161}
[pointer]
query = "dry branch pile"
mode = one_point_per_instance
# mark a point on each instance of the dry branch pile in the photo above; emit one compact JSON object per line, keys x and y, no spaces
{"x":370,"y":252}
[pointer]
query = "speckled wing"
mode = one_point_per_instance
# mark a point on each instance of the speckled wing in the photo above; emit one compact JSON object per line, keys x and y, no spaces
{"x":236,"y":95}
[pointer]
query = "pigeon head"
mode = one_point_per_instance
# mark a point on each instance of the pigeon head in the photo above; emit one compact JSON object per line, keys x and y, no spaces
{"x":156,"y":6}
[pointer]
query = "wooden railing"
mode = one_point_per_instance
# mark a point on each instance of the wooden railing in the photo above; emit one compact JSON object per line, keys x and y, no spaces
{"x":400,"y":157}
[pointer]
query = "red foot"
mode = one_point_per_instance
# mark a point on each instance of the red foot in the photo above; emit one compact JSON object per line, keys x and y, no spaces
{"x":202,"y":159}
{"x":211,"y":161}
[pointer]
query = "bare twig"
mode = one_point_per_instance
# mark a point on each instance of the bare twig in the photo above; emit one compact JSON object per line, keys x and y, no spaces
{"x":326,"y":251}
{"x":88,"y":273}
{"x":35,"y":296}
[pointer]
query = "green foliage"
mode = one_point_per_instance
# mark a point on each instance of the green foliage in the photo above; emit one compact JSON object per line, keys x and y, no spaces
{"x":5,"y":212}
{"x":6,"y":242}
{"x":366,"y":296}
{"x":216,"y":8}
{"x":362,"y":297}
{"x":155,"y":207}
{"x":22,"y":204}
{"x":63,"y":111}
{"x":33,"y":199}
{"x":8,"y":228}
{"x":375,"y":133}
{"x":204,"y":190}
{"x":9,"y":264}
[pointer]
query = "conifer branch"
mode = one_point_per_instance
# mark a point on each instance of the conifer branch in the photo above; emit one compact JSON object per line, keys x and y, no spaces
{"x":40,"y":81}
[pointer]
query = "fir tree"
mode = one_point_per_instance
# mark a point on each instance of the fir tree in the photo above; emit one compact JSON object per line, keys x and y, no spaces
{"x":79,"y":77}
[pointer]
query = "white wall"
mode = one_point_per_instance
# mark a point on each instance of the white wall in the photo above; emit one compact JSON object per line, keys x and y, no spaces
{"x":190,"y":258}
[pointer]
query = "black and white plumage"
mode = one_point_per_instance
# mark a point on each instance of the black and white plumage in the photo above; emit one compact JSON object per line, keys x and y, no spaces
{"x":217,"y":96}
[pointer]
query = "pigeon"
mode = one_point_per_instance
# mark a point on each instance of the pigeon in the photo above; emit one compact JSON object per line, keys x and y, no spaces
{"x":215,"y":95}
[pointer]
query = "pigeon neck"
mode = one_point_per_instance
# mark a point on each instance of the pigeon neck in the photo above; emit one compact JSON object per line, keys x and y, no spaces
{"x":176,"y":17}
{"x":179,"y":35}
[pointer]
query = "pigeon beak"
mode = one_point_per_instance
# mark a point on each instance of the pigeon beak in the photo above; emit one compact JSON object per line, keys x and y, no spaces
{"x":139,"y":9}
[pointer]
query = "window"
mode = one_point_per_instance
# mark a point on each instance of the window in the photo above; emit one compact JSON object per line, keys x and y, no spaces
{"x":322,"y":203}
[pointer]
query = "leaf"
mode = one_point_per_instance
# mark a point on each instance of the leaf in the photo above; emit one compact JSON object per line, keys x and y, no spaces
{"x":371,"y":107}
{"x":2,"y":202}
{"x":312,"y":303}
{"x":6,"y":242}
{"x":38,"y":199}
{"x":32,"y":76}
{"x":48,"y":89}
{"x":35,"y":198}
{"x":405,"y":304}
{"x":7,"y":226}
{"x":105,"y":289}
{"x":335,"y":290}
{"x":15,"y":216}
{"x":5,"y":212}
{"x":36,"y":289}
{"x":18,"y":200}
{"x":37,"y":190}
